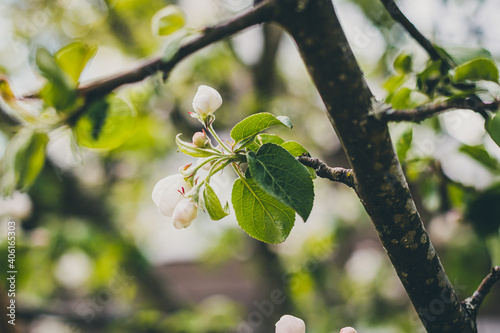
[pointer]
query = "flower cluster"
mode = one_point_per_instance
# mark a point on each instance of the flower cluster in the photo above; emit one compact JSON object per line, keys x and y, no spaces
{"x":177,"y":196}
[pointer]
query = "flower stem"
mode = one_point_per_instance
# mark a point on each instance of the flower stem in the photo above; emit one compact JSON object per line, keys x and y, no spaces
{"x":214,"y":134}
{"x":237,"y":170}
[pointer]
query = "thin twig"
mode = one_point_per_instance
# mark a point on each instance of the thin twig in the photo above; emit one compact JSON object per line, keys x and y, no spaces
{"x":399,"y":17}
{"x":340,"y":175}
{"x":427,"y":111}
{"x":210,"y":35}
{"x":475,"y":301}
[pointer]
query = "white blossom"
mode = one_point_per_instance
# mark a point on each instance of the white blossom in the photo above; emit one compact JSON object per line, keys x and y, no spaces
{"x":167,"y":193}
{"x":348,"y":330}
{"x":184,"y":213}
{"x":206,"y":100}
{"x":290,"y":324}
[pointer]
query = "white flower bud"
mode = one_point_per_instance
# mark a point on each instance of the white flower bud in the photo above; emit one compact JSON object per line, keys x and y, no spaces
{"x":290,"y":324}
{"x":348,"y":330}
{"x":166,"y":193}
{"x":200,"y":139}
{"x":184,"y":213}
{"x":206,"y":101}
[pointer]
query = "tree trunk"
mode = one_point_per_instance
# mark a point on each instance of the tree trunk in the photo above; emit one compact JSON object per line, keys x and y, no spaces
{"x":381,"y":185}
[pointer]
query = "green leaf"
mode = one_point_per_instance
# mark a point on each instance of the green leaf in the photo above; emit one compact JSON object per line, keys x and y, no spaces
{"x":59,"y":91}
{"x":106,"y":124}
{"x":213,"y":205}
{"x":263,"y":138}
{"x":477,"y":69}
{"x":482,"y":156}
{"x":168,"y":20}
{"x":23,"y":160}
{"x":492,"y":126}
{"x":191,"y":150}
{"x":283,"y":177}
{"x":403,"y":63}
{"x":256,"y":123}
{"x":259,"y":214}
{"x":294,"y":148}
{"x":403,"y":145}
{"x":73,"y":58}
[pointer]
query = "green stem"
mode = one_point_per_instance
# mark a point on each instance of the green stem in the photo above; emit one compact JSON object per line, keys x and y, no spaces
{"x":237,"y":170}
{"x":214,"y":134}
{"x":217,"y":167}
{"x":198,"y":167}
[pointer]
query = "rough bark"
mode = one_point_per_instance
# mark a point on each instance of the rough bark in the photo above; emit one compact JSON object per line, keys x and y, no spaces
{"x":381,"y":185}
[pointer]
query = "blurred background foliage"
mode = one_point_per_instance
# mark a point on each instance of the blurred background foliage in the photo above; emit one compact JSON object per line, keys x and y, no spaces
{"x":94,"y":255}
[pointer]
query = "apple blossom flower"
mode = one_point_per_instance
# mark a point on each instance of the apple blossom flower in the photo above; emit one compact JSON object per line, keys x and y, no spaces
{"x":206,"y":101}
{"x":348,"y":330}
{"x":168,"y":193}
{"x":184,"y":213}
{"x":290,"y":324}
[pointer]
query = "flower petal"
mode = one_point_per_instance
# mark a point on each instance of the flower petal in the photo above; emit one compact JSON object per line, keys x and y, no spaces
{"x":206,"y":100}
{"x":184,"y":213}
{"x":163,"y":184}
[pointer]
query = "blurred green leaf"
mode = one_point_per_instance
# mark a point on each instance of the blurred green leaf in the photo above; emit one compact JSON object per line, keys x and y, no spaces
{"x":106,"y":124}
{"x":481,"y":155}
{"x":259,"y":214}
{"x":492,"y":126}
{"x":171,"y":49}
{"x":403,"y":63}
{"x":463,"y":54}
{"x":23,"y":160}
{"x":403,"y":145}
{"x":59,"y":91}
{"x":168,"y":20}
{"x":429,"y":78}
{"x":278,"y":173}
{"x":393,"y":83}
{"x":73,"y":58}
{"x":477,"y":69}
{"x":401,"y":98}
{"x":213,"y":205}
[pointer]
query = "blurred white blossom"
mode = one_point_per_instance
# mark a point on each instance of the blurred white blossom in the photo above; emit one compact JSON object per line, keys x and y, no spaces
{"x":290,"y":324}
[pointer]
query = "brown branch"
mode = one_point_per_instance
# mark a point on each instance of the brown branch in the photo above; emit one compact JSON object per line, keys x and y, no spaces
{"x":340,"y":175}
{"x":399,"y":17}
{"x":210,"y":35}
{"x":427,"y":111}
{"x":475,"y":301}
